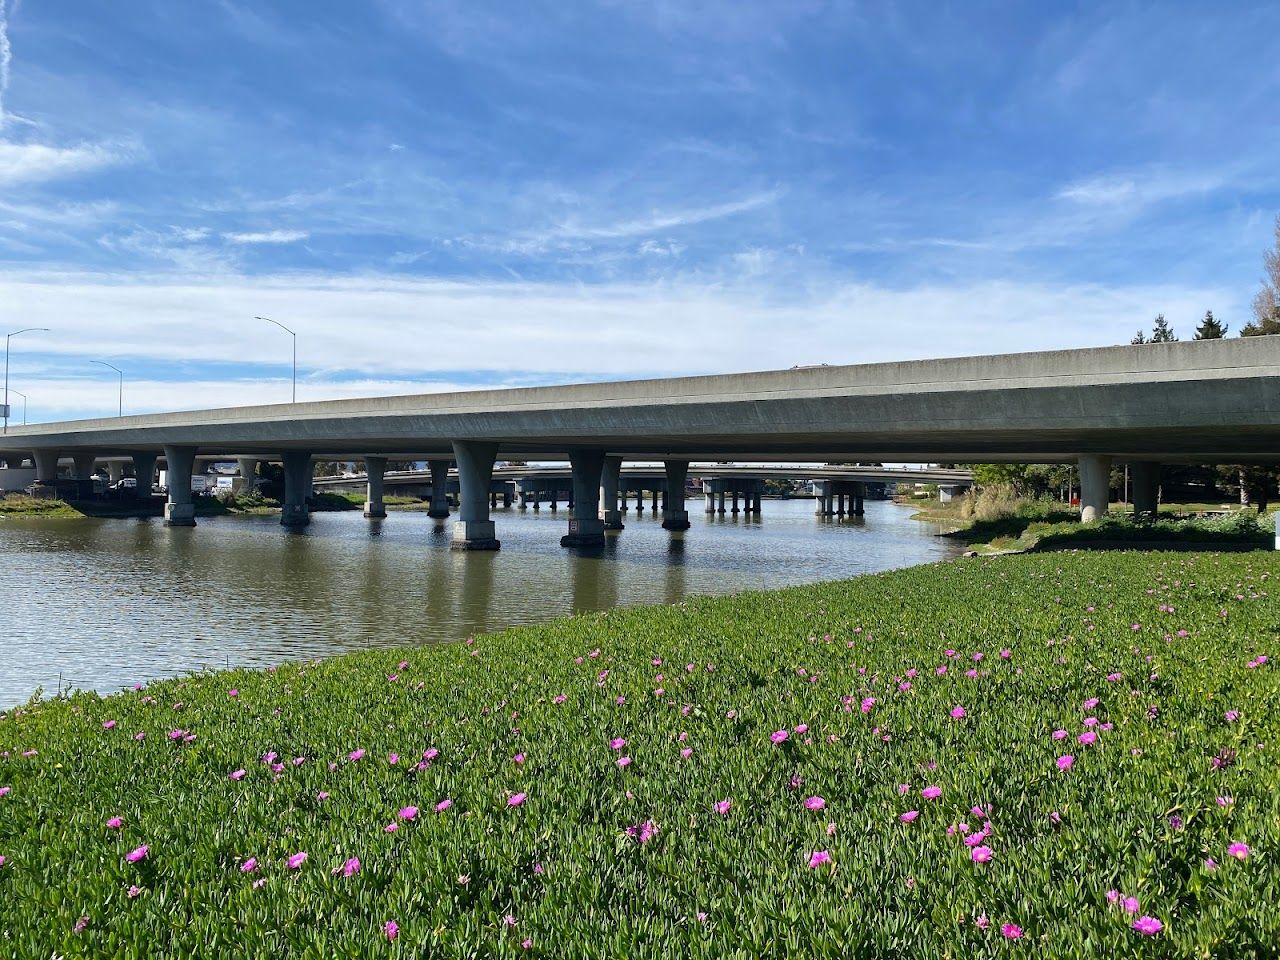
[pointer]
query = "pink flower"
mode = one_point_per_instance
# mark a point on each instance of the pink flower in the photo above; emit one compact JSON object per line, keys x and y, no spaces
{"x":391,"y":929}
{"x":802,"y":728}
{"x":909,"y":816}
{"x":1148,"y":926}
{"x":137,"y":853}
{"x":1113,"y":896}
{"x":233,"y":693}
{"x":818,"y":858}
{"x":407,"y":813}
{"x":1088,"y":738}
{"x":134,"y":891}
{"x":1130,"y":905}
{"x":1065,"y":761}
{"x":623,"y":762}
{"x":723,"y":806}
{"x":235,"y":775}
{"x":516,"y":799}
{"x":1232,"y":716}
{"x":617,"y":743}
{"x":443,"y":805}
{"x":1059,"y":734}
{"x":931,"y":793}
{"x":350,"y":867}
{"x":322,"y":796}
{"x":1210,"y":864}
{"x":1090,"y":703}
{"x":982,"y":922}
{"x":1011,"y":931}
{"x":815,"y":803}
{"x":108,"y":724}
{"x":249,"y":865}
{"x":779,"y":735}
{"x":4,"y":791}
{"x":355,"y":755}
{"x":867,"y":704}
{"x":980,"y":854}
{"x":1238,"y":850}
{"x":297,"y":860}
{"x":526,"y":943}
{"x":686,"y":753}
{"x":391,"y":827}
{"x":393,"y":758}
{"x":957,"y":713}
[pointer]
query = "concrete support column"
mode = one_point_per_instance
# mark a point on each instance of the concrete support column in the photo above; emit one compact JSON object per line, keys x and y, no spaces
{"x":84,"y":465}
{"x":474,"y":530}
{"x":653,"y":500}
{"x":180,"y":511}
{"x":46,"y":462}
{"x":735,"y":500}
{"x":676,"y":517}
{"x":248,"y":468}
{"x":375,"y":469}
{"x":537,"y":500}
{"x":610,"y":476}
{"x":439,"y":489}
{"x":859,"y":493}
{"x":709,"y":497}
{"x":115,"y":472}
{"x":309,"y":490}
{"x":586,"y":529}
{"x":639,"y":500}
{"x":144,"y":470}
{"x":506,"y":495}
{"x":755,"y":503}
{"x":720,"y":502}
{"x":297,"y":473}
{"x":1144,"y":481}
{"x":1095,"y":487}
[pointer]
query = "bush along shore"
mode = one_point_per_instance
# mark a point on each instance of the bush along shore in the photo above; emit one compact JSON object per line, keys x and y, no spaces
{"x":1057,"y":755}
{"x":219,"y":505}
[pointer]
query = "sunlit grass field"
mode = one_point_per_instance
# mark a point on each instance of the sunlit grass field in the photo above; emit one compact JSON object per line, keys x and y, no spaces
{"x":1059,"y":755}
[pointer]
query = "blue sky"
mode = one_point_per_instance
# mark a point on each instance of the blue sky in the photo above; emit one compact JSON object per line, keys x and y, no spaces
{"x":440,"y":195}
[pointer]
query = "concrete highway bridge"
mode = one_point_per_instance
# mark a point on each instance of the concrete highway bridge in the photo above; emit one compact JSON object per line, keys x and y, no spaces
{"x":838,"y":489}
{"x":1214,"y":401}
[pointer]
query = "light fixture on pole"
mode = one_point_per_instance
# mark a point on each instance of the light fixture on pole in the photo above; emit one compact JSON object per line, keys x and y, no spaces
{"x":295,"y":352}
{"x":120,"y":398}
{"x":24,"y":405}
{"x":7,"y":338}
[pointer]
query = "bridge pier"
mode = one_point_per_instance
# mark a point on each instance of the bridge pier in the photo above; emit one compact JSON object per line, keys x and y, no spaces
{"x":1144,"y":480}
{"x":439,"y":489}
{"x":248,"y":469}
{"x":295,"y":511}
{"x":375,"y":470}
{"x":675,"y":516}
{"x":586,"y":529}
{"x":859,"y":495}
{"x":1095,"y":487}
{"x":144,"y":471}
{"x":115,"y":472}
{"x":610,"y":474}
{"x":180,"y":511}
{"x":474,"y":530}
{"x":46,"y":462}
{"x":735,"y":500}
{"x":755,"y":503}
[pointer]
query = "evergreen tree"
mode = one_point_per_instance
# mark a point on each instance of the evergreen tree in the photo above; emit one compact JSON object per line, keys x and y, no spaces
{"x":1160,"y":331}
{"x":1210,"y":329}
{"x":1139,"y":337}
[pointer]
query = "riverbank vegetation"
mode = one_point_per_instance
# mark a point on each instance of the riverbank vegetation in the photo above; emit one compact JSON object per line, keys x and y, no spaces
{"x":219,"y":505}
{"x":996,"y":520}
{"x":1065,"y":755}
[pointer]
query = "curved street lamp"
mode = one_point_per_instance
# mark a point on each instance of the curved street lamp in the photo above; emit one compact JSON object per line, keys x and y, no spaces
{"x":295,"y":352}
{"x":120,"y":400}
{"x":7,"y":338}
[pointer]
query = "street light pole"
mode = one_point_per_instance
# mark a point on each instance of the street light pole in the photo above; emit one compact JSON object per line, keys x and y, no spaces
{"x":120,"y":400}
{"x":295,"y":352}
{"x":24,"y":405}
{"x":7,"y":338}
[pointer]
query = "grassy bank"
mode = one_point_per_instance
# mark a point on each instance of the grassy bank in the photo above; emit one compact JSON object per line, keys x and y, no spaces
{"x":223,"y":505}
{"x":993,"y":523}
{"x":867,"y":768}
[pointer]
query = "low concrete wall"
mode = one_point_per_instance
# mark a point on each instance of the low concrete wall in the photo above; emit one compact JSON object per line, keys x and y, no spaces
{"x":16,"y":478}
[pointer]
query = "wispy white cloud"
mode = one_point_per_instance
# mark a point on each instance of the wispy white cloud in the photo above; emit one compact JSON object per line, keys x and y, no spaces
{"x":267,"y":236}
{"x":1140,"y":188}
{"x":6,"y":56}
{"x":665,"y":220}
{"x":36,"y":162}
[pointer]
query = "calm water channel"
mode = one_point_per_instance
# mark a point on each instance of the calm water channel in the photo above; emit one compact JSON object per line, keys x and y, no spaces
{"x":106,"y":603}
